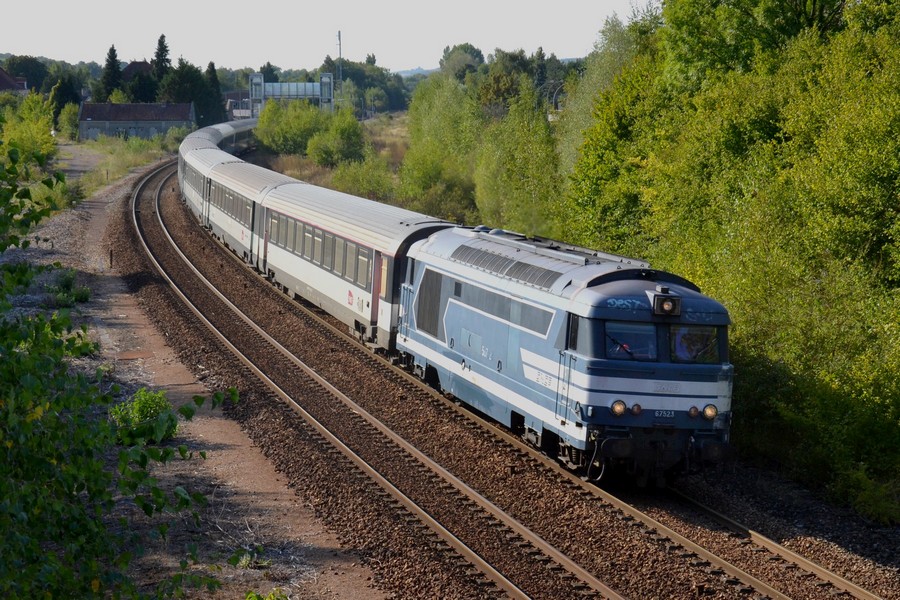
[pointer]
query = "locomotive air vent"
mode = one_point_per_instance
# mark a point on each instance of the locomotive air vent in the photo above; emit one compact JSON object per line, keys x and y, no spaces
{"x":506,"y":267}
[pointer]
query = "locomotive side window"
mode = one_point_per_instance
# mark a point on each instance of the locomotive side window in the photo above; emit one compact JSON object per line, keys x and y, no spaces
{"x":630,"y":341}
{"x":694,"y":344}
{"x":585,"y":336}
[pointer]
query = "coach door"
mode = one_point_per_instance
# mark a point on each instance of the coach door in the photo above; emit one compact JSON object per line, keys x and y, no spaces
{"x":206,"y":201}
{"x":406,"y":298}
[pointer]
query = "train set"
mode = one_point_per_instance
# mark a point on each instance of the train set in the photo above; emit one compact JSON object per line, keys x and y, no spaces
{"x":597,"y":359}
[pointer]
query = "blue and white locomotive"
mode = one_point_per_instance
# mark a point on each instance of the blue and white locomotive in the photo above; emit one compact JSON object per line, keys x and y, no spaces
{"x":598,"y":359}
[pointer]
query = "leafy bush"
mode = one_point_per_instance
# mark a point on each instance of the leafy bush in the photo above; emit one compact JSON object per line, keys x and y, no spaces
{"x":64,"y":293}
{"x":146,"y":415}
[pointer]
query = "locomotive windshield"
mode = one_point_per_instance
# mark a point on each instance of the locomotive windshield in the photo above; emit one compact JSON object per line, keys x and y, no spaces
{"x":694,"y":344}
{"x":632,"y":340}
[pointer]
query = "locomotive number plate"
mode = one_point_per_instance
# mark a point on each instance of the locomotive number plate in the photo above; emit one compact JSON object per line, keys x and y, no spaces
{"x":666,"y":414}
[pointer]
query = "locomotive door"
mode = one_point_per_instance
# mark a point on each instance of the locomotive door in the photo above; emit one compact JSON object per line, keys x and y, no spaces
{"x":564,"y":370}
{"x":563,"y":381}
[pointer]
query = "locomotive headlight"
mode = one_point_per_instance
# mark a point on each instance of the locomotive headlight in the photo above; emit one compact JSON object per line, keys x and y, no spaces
{"x":636,"y":409}
{"x":617,"y":408}
{"x":693,"y":412}
{"x":710,"y":412}
{"x":666,"y":304}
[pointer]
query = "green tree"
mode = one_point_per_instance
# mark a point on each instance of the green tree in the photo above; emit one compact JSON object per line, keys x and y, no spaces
{"x":161,"y":62}
{"x":616,"y":47}
{"x":66,"y":91}
{"x":460,"y":60}
{"x":286,"y":127}
{"x":216,"y":109}
{"x":502,"y":83}
{"x":186,"y":83}
{"x":111,"y":79}
{"x":516,"y":173}
{"x":703,"y":38}
{"x":269,"y":72}
{"x":376,"y":99}
{"x":444,"y":128}
{"x":143,"y":87}
{"x":32,"y":69}
{"x":341,"y":142}
{"x":67,"y":122}
{"x":28,"y":127}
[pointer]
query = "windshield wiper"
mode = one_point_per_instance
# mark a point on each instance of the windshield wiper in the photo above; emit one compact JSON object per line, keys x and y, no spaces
{"x":620,"y":345}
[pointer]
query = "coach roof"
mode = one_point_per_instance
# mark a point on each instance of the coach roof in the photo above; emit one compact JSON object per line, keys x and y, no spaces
{"x":380,"y":226}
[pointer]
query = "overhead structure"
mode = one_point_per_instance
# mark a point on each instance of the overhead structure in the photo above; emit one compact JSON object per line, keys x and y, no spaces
{"x":321,"y":92}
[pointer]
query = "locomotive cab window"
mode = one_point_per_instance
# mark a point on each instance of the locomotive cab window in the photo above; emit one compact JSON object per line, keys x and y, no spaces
{"x":694,"y":344}
{"x":585,"y":336}
{"x":630,"y":341}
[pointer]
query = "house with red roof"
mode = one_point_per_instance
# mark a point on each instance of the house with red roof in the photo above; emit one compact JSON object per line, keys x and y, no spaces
{"x":8,"y":83}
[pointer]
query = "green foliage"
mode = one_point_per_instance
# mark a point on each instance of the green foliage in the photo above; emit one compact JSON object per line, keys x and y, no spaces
{"x":118,"y":96}
{"x":370,"y":178}
{"x":613,"y":51}
{"x":341,"y":142}
{"x":146,"y":412}
{"x":28,"y":126}
{"x":461,"y":60}
{"x":287,"y":127}
{"x":57,"y":490}
{"x":64,"y":293}
{"x":111,"y":79}
{"x":444,"y":126}
{"x":772,"y":181}
{"x":32,"y":69}
{"x":516,"y":173}
{"x":67,"y":123}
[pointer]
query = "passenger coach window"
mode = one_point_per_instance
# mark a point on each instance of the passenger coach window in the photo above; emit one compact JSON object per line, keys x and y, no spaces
{"x":694,"y":344}
{"x":339,"y":256}
{"x":328,"y":260}
{"x":350,"y":270}
{"x":630,"y":341}
{"x":362,"y":269}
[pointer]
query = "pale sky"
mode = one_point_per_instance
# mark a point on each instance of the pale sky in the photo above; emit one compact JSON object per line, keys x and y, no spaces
{"x":402,"y":34}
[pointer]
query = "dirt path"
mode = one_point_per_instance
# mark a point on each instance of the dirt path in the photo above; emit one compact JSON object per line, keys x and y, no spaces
{"x":251,"y":506}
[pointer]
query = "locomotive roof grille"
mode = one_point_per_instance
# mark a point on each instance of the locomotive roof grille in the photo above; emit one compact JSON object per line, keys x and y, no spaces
{"x":506,"y":267}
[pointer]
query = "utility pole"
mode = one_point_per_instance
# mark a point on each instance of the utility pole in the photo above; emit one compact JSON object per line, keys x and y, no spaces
{"x":340,"y":75}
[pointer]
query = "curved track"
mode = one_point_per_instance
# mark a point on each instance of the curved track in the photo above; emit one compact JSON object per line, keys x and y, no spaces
{"x":578,"y":534}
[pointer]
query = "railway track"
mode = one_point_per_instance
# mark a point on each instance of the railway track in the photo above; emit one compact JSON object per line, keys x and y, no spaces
{"x":412,"y":482}
{"x":547,"y":531}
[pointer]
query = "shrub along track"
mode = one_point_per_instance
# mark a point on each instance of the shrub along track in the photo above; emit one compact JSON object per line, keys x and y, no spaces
{"x":633,"y":561}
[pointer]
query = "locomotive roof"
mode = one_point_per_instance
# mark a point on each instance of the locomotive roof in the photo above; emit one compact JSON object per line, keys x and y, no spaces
{"x":536,"y":262}
{"x":381,"y":226}
{"x":591,"y":283}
